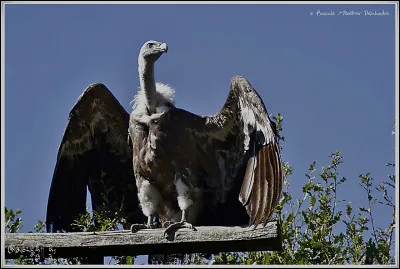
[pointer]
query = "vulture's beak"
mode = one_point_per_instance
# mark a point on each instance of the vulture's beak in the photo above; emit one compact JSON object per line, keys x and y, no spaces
{"x":163,"y":47}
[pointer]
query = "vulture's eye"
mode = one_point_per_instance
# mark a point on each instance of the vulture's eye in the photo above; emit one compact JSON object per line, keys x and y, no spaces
{"x":150,"y":45}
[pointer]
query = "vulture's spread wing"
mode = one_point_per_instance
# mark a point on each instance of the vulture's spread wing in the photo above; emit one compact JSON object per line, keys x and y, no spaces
{"x":244,"y":142}
{"x":95,"y":152}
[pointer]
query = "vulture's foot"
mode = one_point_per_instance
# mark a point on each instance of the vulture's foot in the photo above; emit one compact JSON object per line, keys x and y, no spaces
{"x":174,"y":226}
{"x":137,"y":227}
{"x":149,"y":225}
{"x":168,"y":223}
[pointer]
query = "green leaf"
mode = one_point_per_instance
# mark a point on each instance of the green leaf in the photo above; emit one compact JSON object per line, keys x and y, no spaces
{"x":129,"y":260}
{"x":349,"y":209}
{"x":312,"y":201}
{"x":290,"y":218}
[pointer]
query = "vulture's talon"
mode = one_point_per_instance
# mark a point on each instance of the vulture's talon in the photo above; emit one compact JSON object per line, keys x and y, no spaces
{"x":137,"y":227}
{"x":174,"y":226}
{"x":168,"y":223}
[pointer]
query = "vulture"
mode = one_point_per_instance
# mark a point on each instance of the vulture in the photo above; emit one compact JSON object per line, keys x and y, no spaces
{"x":202,"y":170}
{"x":167,"y":164}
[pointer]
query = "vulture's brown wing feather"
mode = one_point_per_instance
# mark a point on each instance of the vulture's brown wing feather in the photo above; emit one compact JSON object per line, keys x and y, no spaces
{"x":241,"y":139}
{"x":94,"y":153}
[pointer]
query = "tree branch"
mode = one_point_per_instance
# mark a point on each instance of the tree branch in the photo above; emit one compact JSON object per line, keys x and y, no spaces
{"x":211,"y":239}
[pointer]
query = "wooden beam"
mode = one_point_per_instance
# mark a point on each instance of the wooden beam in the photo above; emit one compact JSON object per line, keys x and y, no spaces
{"x":210,"y":239}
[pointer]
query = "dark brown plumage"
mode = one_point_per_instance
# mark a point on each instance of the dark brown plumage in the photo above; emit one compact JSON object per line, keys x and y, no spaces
{"x":94,"y":153}
{"x":202,"y":166}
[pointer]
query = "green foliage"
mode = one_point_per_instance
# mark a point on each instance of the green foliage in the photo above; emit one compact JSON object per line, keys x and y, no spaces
{"x":308,"y":224}
{"x":102,"y":220}
{"x":12,"y":222}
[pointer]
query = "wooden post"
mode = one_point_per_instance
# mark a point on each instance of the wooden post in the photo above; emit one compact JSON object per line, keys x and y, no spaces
{"x":207,"y":239}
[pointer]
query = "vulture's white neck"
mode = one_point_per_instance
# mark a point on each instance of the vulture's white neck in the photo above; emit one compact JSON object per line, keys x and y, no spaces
{"x":152,"y":97}
{"x":147,"y":83}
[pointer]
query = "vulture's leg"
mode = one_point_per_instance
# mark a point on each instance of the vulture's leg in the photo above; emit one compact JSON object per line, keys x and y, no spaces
{"x":185,"y":202}
{"x":149,"y":199}
{"x":174,"y":226}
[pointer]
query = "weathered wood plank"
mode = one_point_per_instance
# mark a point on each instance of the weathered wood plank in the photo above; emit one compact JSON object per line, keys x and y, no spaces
{"x":209,"y":239}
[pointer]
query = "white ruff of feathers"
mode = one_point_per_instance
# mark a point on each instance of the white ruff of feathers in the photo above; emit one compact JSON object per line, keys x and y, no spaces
{"x":165,"y":94}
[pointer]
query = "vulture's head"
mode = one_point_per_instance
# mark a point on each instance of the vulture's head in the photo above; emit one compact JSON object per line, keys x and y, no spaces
{"x":152,"y":50}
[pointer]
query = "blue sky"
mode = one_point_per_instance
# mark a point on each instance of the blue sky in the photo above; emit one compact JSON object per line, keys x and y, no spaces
{"x":331,"y":77}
